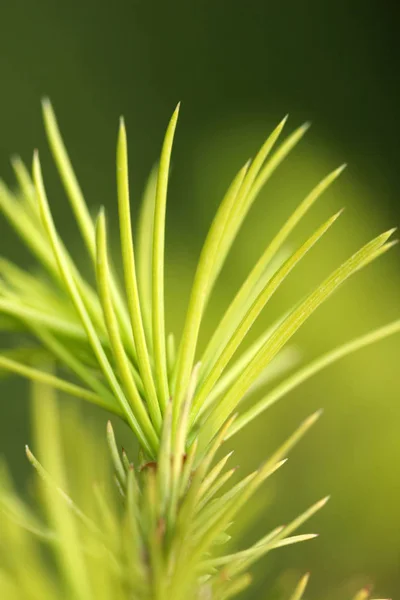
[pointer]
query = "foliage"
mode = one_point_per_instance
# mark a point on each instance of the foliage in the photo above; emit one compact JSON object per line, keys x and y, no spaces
{"x":165,"y":536}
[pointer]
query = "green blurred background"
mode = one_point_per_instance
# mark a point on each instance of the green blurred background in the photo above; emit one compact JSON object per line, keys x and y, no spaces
{"x":238,"y":67}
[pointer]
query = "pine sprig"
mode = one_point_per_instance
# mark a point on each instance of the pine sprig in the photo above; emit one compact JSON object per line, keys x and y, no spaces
{"x":109,"y":347}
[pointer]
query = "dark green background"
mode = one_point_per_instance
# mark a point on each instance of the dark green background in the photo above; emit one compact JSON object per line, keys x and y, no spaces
{"x":237,"y":67}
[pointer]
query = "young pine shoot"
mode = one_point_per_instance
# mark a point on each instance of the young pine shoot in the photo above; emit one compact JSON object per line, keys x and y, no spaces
{"x":161,"y":529}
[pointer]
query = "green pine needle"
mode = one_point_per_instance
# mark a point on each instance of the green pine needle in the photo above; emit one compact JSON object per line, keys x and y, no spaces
{"x":167,"y":532}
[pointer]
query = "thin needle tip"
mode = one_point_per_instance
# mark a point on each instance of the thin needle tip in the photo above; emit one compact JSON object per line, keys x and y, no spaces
{"x":46,"y":104}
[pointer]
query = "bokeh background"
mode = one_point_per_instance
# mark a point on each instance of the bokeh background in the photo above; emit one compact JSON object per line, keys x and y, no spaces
{"x":238,"y":67}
